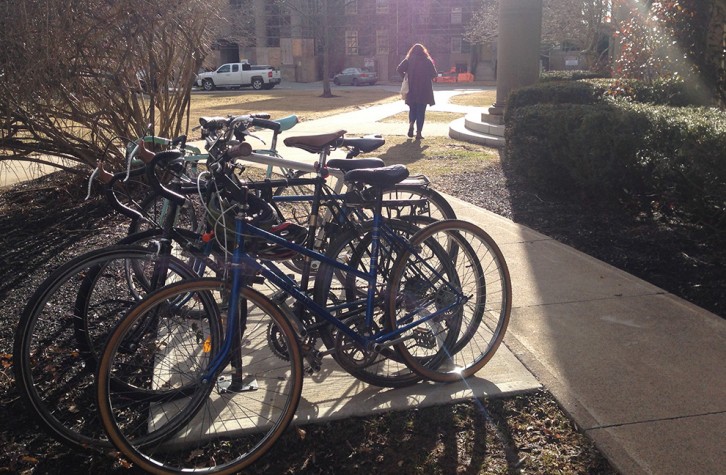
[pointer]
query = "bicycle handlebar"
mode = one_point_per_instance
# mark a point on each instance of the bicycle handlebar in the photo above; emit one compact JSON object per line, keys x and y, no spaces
{"x":266,"y":124}
{"x":164,"y":158}
{"x":109,"y":179}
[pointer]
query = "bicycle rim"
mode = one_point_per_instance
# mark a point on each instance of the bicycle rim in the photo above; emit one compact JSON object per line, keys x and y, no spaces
{"x":62,"y":328}
{"x":477,"y":302}
{"x":184,"y":423}
{"x":345,"y":296}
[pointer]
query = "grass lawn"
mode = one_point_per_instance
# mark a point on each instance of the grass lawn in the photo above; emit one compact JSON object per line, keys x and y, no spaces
{"x":422,"y":157}
{"x":307,"y":104}
{"x":476,"y":99}
{"x":436,"y":156}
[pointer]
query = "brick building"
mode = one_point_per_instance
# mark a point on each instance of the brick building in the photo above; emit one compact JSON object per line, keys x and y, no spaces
{"x":362,"y":33}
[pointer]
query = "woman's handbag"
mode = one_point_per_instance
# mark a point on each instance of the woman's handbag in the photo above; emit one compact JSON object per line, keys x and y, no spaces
{"x":404,"y":87}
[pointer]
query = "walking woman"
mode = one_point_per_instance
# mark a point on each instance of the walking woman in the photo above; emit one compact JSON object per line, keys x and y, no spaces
{"x":420,"y":69}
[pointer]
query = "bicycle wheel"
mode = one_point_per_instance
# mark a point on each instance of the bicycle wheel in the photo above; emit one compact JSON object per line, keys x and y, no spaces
{"x":289,"y":208}
{"x":344,"y":296}
{"x":479,"y":301}
{"x":62,"y":327}
{"x":155,"y":208}
{"x":190,"y":417}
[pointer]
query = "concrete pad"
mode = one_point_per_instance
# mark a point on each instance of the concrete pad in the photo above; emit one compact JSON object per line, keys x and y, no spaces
{"x":548,"y":272}
{"x":501,"y":229}
{"x":626,"y":359}
{"x":693,"y":445}
{"x":334,"y":394}
{"x":545,"y":271}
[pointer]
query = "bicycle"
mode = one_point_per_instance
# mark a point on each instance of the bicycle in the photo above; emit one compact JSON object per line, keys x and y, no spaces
{"x":65,"y":320}
{"x":73,"y":287}
{"x":69,"y":301}
{"x":210,"y":365}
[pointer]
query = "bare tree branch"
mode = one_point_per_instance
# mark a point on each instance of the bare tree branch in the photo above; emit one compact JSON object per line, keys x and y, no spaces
{"x":72,"y":79}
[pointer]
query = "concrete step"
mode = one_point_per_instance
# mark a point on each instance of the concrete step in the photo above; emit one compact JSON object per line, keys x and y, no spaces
{"x":484,"y":123}
{"x":472,"y":129}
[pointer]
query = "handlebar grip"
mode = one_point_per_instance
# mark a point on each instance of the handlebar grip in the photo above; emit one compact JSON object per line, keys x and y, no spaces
{"x":266,"y":124}
{"x":163,"y":158}
{"x":243,"y":149}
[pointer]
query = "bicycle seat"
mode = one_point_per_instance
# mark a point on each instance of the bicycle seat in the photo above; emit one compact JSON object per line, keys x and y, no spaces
{"x":288,"y":122}
{"x":348,"y":164}
{"x":314,"y":143}
{"x":382,"y":177}
{"x":363,"y":144}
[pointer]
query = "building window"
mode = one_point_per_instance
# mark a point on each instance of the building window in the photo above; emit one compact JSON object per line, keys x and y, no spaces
{"x":351,"y":42}
{"x":382,"y":42}
{"x":460,"y":45}
{"x":456,"y":16}
{"x":456,"y":45}
{"x":351,"y":7}
{"x":381,"y":6}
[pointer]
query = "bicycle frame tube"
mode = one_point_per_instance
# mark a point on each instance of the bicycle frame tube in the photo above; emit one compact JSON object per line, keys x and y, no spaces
{"x":241,"y":262}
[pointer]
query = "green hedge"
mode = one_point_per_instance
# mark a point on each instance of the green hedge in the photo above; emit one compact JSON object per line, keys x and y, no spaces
{"x":613,"y":149}
{"x":684,"y":158}
{"x":570,"y":75}
{"x":581,"y":148}
{"x":556,"y":92}
{"x":592,"y":91}
{"x":671,"y":92}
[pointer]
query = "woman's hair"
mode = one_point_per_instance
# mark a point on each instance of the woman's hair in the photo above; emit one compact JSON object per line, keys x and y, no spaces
{"x":418,"y":50}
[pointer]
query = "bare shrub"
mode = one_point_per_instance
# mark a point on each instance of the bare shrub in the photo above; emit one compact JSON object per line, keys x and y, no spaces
{"x":76,"y":75}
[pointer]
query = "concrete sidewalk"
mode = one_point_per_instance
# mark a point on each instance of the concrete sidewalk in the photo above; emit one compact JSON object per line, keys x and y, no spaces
{"x":641,"y":371}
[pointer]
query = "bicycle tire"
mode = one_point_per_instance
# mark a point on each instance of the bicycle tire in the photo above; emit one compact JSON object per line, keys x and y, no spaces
{"x":213,"y":430}
{"x":484,"y":288}
{"x":332,"y":287}
{"x":154,"y":208}
{"x":54,"y":366}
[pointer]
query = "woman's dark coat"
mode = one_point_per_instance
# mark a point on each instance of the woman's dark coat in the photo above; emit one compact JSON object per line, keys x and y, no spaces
{"x":421,"y":71}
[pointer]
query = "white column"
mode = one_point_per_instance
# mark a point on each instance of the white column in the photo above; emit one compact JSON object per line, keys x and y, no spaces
{"x":518,"y":48}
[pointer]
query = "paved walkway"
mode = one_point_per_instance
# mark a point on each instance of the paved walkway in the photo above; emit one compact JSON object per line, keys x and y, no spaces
{"x":639,"y":370}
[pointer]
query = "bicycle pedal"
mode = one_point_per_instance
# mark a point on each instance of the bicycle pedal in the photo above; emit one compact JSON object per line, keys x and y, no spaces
{"x":424,"y":338}
{"x":314,"y":359}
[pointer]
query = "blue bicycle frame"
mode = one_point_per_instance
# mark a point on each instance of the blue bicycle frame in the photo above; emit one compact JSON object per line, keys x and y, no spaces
{"x":244,"y":265}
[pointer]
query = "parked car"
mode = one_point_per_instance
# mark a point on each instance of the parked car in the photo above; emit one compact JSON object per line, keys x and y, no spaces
{"x":356,"y":77}
{"x":240,"y":75}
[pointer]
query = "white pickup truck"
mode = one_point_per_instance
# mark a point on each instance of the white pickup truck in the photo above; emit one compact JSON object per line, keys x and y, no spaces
{"x":240,"y":75}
